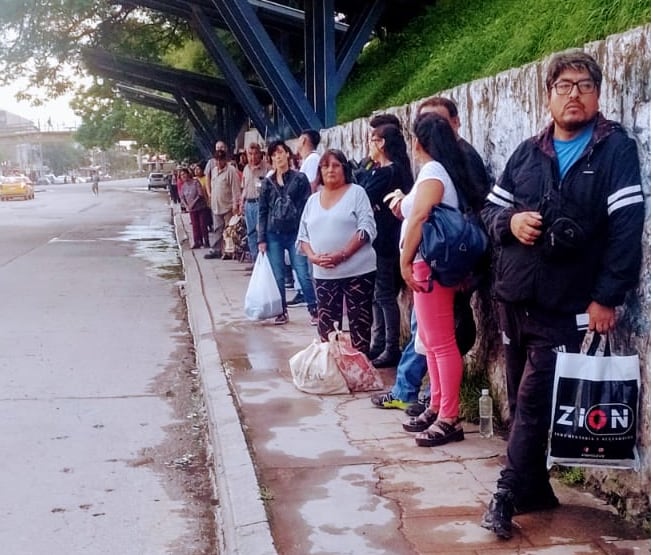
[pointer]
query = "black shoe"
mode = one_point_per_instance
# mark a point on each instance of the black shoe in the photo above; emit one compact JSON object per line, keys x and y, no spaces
{"x":213,"y":254}
{"x":539,"y":499}
{"x":387,"y":359}
{"x":375,"y":351}
{"x":498,"y":516}
{"x":281,"y":319}
{"x":417,"y":408}
{"x":297,"y":300}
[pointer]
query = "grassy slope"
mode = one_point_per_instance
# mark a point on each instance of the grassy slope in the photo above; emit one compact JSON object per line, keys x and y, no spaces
{"x":461,"y":40}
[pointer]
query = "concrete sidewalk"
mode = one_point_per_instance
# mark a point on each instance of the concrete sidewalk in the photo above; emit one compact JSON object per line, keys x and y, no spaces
{"x":299,"y":474}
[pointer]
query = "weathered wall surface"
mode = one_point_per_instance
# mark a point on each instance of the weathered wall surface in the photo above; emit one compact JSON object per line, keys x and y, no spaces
{"x":498,"y":113}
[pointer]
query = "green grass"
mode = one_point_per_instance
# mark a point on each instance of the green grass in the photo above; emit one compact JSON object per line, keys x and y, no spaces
{"x":458,"y":41}
{"x":470,"y":391}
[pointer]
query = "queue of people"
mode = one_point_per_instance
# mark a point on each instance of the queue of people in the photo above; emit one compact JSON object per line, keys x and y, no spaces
{"x":352,"y":252}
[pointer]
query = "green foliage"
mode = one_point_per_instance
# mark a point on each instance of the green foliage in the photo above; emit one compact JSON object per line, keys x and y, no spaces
{"x":62,"y":157}
{"x":470,"y":391}
{"x":42,"y":39}
{"x":572,"y":475}
{"x":456,"y":42}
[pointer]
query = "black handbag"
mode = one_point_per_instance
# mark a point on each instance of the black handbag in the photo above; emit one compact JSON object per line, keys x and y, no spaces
{"x":453,"y":243}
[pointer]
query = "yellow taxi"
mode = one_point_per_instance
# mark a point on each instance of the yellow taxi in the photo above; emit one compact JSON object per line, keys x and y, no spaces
{"x":16,"y":187}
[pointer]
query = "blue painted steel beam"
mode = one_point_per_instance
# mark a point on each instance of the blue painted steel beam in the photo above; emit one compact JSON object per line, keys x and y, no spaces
{"x":156,"y":101}
{"x":239,"y":86}
{"x":204,"y":139}
{"x":319,"y":58}
{"x":241,"y":19}
{"x":354,"y":41}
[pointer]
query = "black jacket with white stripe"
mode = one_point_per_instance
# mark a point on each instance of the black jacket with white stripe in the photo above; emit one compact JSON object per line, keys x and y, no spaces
{"x":601,"y":192}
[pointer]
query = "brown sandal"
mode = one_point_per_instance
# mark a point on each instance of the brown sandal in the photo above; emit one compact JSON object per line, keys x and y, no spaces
{"x":421,"y":422}
{"x":438,"y":434}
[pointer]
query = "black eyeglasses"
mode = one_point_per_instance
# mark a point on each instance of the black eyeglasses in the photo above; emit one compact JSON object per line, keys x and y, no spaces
{"x":585,"y":86}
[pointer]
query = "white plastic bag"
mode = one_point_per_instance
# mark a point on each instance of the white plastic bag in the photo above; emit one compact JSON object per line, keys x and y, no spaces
{"x":262,"y":299}
{"x":314,"y":370}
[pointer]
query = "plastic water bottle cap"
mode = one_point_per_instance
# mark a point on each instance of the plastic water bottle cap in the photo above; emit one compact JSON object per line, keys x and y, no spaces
{"x":485,"y":391}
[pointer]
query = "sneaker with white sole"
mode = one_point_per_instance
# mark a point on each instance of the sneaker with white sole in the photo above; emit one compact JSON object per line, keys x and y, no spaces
{"x":387,"y":401}
{"x":281,"y":319}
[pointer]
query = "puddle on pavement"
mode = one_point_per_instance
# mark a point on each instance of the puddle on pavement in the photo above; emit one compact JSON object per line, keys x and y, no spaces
{"x":236,"y":366}
{"x":155,"y":243}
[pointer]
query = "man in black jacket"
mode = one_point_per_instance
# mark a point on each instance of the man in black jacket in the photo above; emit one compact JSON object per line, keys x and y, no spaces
{"x":566,"y":221}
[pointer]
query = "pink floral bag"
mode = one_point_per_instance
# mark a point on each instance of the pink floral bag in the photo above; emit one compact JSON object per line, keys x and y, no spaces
{"x":354,"y":366}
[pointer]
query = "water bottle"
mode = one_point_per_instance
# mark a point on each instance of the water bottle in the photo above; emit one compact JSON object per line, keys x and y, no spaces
{"x":485,"y":413}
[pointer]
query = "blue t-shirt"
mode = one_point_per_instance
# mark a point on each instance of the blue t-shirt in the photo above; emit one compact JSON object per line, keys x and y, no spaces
{"x":569,"y":151}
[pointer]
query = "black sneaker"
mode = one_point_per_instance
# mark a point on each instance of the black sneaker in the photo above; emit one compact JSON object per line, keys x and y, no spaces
{"x":540,"y":499}
{"x":213,"y":254}
{"x":281,"y":319}
{"x":498,"y":516}
{"x":297,"y":300}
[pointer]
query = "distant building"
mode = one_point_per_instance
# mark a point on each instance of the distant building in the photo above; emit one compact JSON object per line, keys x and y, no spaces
{"x":21,"y":143}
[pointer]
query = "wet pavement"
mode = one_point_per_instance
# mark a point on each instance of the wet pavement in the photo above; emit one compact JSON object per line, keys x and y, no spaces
{"x":301,"y":474}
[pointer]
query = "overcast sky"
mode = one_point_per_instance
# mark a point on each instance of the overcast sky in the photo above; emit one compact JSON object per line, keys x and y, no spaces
{"x":57,"y":112}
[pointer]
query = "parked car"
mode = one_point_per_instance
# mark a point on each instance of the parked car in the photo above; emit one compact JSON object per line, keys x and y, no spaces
{"x":156,"y":180}
{"x":16,"y":186}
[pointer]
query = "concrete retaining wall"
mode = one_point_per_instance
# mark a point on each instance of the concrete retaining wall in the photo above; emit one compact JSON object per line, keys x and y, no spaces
{"x":498,"y":113}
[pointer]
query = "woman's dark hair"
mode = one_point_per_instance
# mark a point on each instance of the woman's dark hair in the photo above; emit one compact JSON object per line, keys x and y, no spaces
{"x":272,"y":147}
{"x":436,"y":137}
{"x":340,"y":157}
{"x":396,"y":151}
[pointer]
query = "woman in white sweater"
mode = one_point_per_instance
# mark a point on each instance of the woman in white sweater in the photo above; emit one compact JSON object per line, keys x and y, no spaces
{"x":336,"y":232}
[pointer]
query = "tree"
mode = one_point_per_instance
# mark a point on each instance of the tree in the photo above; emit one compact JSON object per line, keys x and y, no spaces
{"x":62,"y":157}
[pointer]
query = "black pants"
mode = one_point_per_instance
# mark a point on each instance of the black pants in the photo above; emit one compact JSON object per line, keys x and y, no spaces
{"x":531,"y":338}
{"x":357,"y":292}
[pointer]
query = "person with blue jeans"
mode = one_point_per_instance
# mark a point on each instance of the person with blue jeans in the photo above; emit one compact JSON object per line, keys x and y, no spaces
{"x":253,"y":174}
{"x":281,"y":202}
{"x":411,"y":370}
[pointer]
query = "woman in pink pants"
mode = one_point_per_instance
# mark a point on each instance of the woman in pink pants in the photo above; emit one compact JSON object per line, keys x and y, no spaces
{"x":442,"y":177}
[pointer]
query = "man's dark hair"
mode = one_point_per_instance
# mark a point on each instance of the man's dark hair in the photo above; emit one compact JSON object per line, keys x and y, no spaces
{"x":385,"y":119}
{"x":340,"y":157}
{"x":313,"y":136}
{"x":436,"y":101}
{"x":272,"y":147}
{"x":576,"y":60}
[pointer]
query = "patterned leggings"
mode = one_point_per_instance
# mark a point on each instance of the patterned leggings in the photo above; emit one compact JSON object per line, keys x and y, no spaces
{"x":358,"y":292}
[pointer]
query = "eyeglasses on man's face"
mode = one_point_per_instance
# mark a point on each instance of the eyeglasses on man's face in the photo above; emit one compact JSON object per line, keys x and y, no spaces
{"x":564,"y":87}
{"x":375,"y":140}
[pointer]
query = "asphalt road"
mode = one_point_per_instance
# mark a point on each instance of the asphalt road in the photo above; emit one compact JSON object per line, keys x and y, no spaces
{"x":101,"y":417}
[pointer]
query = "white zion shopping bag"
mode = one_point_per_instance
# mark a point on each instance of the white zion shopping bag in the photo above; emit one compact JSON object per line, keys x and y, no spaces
{"x":594,"y":413}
